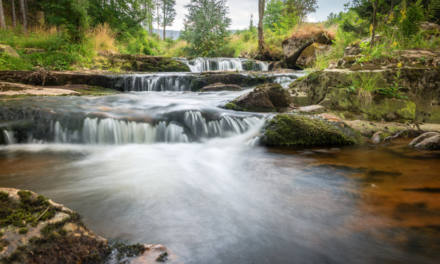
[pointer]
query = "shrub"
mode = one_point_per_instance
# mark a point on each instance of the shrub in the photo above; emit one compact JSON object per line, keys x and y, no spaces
{"x":410,"y":21}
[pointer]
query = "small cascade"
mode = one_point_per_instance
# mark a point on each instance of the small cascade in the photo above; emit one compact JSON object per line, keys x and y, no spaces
{"x":225,"y":64}
{"x":173,"y":127}
{"x":180,"y":82}
{"x":157,"y":82}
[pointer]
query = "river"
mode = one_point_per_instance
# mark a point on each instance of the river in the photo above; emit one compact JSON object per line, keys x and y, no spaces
{"x":174,"y":168}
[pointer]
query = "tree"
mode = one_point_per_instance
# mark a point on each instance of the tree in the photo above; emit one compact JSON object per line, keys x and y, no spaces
{"x":301,"y":8}
{"x":261,"y":46}
{"x":71,"y":14}
{"x":206,"y":27}
{"x":273,"y":14}
{"x":168,"y":14}
{"x":23,"y":13}
{"x":14,"y":15}
{"x":2,"y":16}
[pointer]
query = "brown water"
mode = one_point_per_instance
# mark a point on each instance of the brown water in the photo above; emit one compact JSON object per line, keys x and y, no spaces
{"x":223,"y":202}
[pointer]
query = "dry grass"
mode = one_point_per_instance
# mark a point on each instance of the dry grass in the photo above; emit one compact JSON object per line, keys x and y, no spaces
{"x":306,"y":30}
{"x":104,"y":39}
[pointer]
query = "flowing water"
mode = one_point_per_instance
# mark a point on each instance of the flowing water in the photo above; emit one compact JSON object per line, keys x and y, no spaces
{"x":225,"y":64}
{"x":175,"y":168}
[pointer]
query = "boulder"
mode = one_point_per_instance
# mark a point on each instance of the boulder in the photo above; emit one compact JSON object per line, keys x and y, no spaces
{"x":221,"y":87}
{"x":265,"y":98}
{"x":288,"y":130}
{"x":293,"y":47}
{"x":427,"y":141}
{"x":5,"y":49}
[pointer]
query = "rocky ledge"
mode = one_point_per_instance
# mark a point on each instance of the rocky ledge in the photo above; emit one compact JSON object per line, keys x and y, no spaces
{"x":391,"y":94}
{"x":34,"y":229}
{"x":117,"y":82}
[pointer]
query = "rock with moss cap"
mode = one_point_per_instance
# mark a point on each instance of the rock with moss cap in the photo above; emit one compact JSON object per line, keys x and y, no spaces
{"x":34,"y":229}
{"x":269,"y":97}
{"x":296,"y":131}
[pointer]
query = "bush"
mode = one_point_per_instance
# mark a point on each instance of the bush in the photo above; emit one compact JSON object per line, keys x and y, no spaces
{"x":410,"y":21}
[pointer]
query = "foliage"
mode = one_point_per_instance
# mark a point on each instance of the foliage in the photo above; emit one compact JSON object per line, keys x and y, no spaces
{"x":206,"y":27}
{"x":57,"y":52}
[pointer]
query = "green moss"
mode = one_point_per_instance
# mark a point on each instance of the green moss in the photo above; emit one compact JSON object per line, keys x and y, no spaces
{"x":28,"y":211}
{"x":233,"y":106}
{"x":299,"y":131}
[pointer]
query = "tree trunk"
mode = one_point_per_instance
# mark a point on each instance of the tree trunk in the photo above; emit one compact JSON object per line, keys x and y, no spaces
{"x":14,"y":14}
{"x":261,"y":7}
{"x":164,"y":21}
{"x":158,"y":17}
{"x":23,"y":13}
{"x":2,"y":16}
{"x":373,"y":31}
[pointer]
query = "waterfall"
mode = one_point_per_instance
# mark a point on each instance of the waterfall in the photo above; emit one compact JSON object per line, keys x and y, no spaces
{"x":9,"y":137}
{"x":225,"y":64}
{"x":193,"y":126}
{"x":157,"y":82}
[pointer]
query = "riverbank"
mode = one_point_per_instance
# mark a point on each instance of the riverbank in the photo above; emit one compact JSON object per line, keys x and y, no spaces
{"x":35,"y":229}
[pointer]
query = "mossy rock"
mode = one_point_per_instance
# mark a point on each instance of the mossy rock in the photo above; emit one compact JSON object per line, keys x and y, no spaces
{"x":295,"y":131}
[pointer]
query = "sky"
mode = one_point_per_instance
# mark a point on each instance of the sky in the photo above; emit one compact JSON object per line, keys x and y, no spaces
{"x":240,"y":12}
